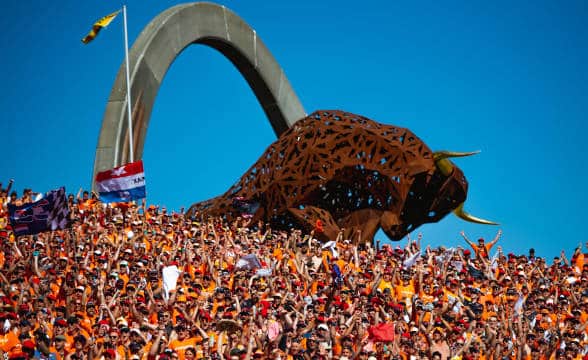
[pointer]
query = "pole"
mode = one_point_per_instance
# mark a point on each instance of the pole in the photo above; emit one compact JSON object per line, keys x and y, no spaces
{"x":129,"y":115}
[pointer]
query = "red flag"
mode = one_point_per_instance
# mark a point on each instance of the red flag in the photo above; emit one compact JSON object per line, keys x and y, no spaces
{"x":383,"y":332}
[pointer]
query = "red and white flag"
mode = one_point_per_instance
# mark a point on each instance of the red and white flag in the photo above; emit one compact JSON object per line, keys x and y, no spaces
{"x":122,"y":184}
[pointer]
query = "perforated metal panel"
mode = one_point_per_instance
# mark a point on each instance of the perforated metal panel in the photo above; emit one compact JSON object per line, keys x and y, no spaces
{"x":347,"y":171}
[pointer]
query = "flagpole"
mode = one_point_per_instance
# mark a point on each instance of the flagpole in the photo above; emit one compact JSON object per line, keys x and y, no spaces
{"x":131,"y":147}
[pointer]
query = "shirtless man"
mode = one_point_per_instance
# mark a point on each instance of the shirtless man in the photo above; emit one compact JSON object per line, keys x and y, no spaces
{"x":439,"y":344}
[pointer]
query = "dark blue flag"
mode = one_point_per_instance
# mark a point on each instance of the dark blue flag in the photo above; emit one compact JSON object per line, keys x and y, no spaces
{"x":49,"y":213}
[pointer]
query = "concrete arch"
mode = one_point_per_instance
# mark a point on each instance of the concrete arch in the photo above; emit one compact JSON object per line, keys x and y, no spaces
{"x":160,"y":42}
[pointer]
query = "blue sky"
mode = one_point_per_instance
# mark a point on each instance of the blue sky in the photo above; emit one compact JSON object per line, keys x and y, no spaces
{"x":507,"y":78}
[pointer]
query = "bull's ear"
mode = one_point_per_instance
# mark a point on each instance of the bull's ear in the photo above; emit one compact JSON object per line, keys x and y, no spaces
{"x":462,"y":214}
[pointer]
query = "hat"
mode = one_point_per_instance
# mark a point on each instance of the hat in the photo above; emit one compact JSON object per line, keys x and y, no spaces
{"x":235,"y":351}
{"x":11,"y":315}
{"x":28,"y":344}
{"x":438,"y":329}
{"x":110,"y":352}
{"x":60,"y":322}
{"x":323,"y":326}
{"x":18,"y":355}
{"x":81,"y":339}
{"x":60,"y":337}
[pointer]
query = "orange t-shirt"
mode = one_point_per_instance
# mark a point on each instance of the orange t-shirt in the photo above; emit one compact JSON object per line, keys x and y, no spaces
{"x":8,"y":341}
{"x":404,"y":292}
{"x":482,"y":251}
{"x":180,"y":346}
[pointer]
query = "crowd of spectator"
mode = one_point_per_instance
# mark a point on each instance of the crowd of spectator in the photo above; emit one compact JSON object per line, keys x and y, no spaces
{"x":96,"y":291}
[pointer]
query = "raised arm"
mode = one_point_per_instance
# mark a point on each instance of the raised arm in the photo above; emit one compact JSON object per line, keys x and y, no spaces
{"x":462,"y":233}
{"x":10,"y":182}
{"x":498,"y":235}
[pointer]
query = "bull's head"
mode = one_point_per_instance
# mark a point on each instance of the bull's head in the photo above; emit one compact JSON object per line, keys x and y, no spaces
{"x":432,"y":195}
{"x":449,"y":170}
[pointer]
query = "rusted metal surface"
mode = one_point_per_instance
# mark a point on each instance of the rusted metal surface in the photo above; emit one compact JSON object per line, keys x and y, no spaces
{"x":350,"y":173}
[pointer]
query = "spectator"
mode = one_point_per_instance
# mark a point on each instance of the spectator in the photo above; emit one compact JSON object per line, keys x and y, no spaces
{"x":245,"y":291}
{"x":482,"y":250}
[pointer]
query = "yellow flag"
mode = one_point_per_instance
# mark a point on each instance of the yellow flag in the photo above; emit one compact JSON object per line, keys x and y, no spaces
{"x":98,"y":25}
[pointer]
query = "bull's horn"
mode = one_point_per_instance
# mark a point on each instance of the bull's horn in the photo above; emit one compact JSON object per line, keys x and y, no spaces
{"x":442,"y":162}
{"x":443,"y":154}
{"x":468,"y":217}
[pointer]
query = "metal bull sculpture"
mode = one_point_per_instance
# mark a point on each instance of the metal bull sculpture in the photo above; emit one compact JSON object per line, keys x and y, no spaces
{"x":346,"y":173}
